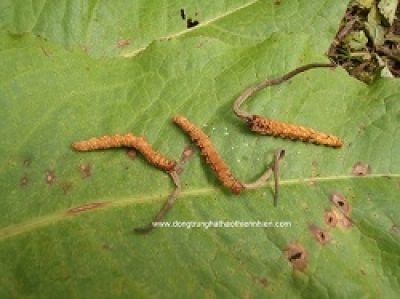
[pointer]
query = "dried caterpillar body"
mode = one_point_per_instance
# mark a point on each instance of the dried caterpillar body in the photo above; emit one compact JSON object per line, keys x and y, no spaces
{"x":103,"y":142}
{"x":208,"y":151}
{"x":128,"y":140}
{"x":265,"y":126}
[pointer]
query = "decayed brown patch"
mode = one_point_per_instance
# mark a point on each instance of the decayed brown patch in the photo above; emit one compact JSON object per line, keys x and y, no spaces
{"x":314,"y":169}
{"x":330,"y":218}
{"x":50,"y":176}
{"x":296,"y":255}
{"x":395,"y":229}
{"x":23,"y":181}
{"x":341,"y":203}
{"x":321,"y":236}
{"x":66,"y":186}
{"x":262,"y":281}
{"x":131,"y":154}
{"x":85,"y":170}
{"x":27,"y":162}
{"x":86,"y":207}
{"x":346,"y":221}
{"x":123,"y":43}
{"x":107,"y":247}
{"x":361,"y":169}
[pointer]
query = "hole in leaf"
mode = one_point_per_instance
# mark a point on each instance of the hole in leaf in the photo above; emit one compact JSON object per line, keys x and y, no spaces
{"x":341,"y":203}
{"x":296,"y":255}
{"x":321,"y":236}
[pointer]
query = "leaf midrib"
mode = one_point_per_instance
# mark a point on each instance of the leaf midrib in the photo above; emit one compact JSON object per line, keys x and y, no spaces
{"x":42,"y":221}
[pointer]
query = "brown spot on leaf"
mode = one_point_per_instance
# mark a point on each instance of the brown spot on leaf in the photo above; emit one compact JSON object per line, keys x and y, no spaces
{"x":346,"y":222}
{"x":131,"y":153}
{"x":123,"y":43}
{"x":341,"y":203}
{"x":395,"y":229}
{"x":361,"y":169}
{"x":27,"y":162}
{"x":86,"y":207}
{"x":107,"y":247}
{"x":314,"y":168}
{"x":330,"y":218}
{"x":66,"y":186}
{"x":85,"y":170}
{"x":50,"y":176}
{"x":24,"y":181}
{"x":321,"y":236}
{"x":262,"y":281}
{"x":296,"y":255}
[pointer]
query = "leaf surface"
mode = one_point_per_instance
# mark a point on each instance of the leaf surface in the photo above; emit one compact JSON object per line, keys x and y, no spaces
{"x":66,"y":226}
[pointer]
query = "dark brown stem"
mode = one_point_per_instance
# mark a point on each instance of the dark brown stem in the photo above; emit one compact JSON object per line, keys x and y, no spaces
{"x":262,"y":180}
{"x":175,"y":176}
{"x":263,"y":84}
{"x":277,"y":159}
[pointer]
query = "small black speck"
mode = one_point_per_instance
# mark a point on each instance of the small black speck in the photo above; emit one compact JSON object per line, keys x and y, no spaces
{"x":183,"y":14}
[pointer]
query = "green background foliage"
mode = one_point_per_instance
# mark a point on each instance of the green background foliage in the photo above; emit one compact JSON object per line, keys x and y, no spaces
{"x":66,"y":77}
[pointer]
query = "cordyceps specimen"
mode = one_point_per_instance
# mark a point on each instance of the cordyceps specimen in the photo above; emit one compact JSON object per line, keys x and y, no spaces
{"x":155,"y":158}
{"x":218,"y":165}
{"x":266,"y":126}
{"x":128,"y":140}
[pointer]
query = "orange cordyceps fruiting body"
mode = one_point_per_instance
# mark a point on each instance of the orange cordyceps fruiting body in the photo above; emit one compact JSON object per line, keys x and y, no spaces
{"x":265,"y":126}
{"x":127,"y":140}
{"x":209,"y":152}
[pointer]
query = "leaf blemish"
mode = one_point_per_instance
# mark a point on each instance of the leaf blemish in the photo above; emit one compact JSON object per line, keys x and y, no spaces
{"x":86,"y":207}
{"x":322,"y":237}
{"x":330,"y":218}
{"x":85,"y":170}
{"x":341,"y":203}
{"x":27,"y":162}
{"x":50,"y":176}
{"x":191,"y":23}
{"x":131,"y":154}
{"x":262,"y":281}
{"x":296,"y":255}
{"x":361,"y":169}
{"x":24,"y":181}
{"x":346,"y":222}
{"x":66,"y":186}
{"x":183,"y":16}
{"x":123,"y":43}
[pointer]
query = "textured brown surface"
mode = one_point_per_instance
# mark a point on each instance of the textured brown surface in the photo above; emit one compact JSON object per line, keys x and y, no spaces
{"x":265,"y":126}
{"x":128,"y":140}
{"x":209,"y":152}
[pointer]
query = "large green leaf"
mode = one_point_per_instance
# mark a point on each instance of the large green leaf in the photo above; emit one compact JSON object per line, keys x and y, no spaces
{"x":53,"y":92}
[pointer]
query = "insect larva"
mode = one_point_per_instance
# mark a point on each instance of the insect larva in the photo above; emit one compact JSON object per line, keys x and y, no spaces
{"x":265,"y":126}
{"x":209,"y":152}
{"x":128,"y":140}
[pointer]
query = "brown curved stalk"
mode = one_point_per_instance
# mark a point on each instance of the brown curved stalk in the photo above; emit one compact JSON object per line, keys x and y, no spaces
{"x":175,"y":176}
